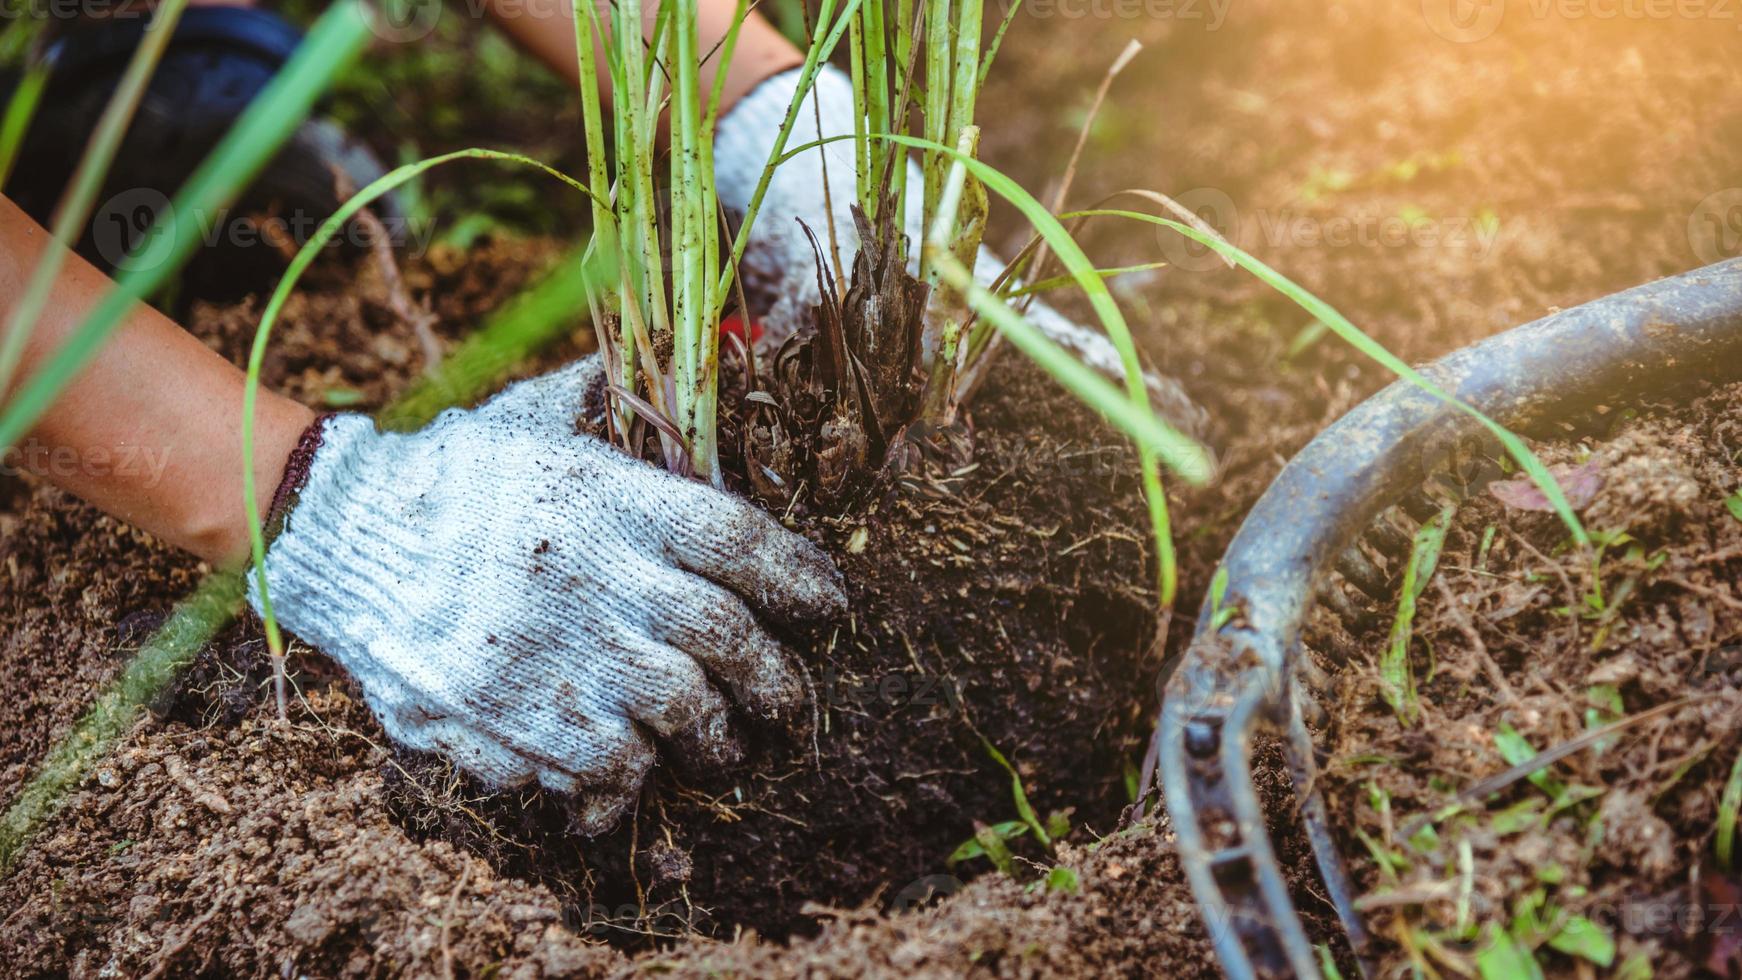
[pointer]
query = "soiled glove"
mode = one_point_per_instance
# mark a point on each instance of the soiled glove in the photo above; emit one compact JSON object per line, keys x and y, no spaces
{"x":531,"y":602}
{"x":779,"y":261}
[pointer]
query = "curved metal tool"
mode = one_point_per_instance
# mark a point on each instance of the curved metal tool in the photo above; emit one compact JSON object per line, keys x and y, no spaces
{"x":1239,"y":675}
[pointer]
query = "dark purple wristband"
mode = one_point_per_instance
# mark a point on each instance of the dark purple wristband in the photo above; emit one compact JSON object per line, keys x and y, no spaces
{"x":295,"y":475}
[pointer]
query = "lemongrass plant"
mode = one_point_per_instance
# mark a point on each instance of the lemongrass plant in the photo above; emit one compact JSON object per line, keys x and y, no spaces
{"x":657,"y":76}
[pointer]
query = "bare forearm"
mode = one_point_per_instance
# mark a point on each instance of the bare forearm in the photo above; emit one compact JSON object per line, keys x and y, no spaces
{"x":546,"y":30}
{"x":151,"y":430}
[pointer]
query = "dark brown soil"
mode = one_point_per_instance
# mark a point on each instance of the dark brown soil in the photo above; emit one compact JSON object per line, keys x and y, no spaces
{"x":214,"y":842}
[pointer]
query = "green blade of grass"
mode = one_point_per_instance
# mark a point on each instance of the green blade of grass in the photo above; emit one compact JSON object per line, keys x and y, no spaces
{"x":20,"y":110}
{"x":331,"y":44}
{"x":1145,"y":428}
{"x":1019,"y":795}
{"x":1394,"y":666}
{"x":1358,"y":339}
{"x":80,"y":196}
{"x":997,"y":42}
{"x":1724,"y":838}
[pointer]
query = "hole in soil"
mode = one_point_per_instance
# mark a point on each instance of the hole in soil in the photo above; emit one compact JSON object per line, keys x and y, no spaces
{"x":1009,"y":606}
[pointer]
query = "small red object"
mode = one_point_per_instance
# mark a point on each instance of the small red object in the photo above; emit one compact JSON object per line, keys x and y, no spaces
{"x":748,"y":330}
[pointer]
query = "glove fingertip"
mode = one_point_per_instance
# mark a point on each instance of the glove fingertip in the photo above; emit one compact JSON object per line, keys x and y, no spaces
{"x":782,"y":575}
{"x":708,"y":745}
{"x":596,"y":813}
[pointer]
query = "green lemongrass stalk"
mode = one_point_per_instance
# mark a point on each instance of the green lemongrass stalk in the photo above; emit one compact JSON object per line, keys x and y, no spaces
{"x":815,"y":56}
{"x":1357,"y":338}
{"x":633,"y":342}
{"x":949,"y":311}
{"x":703,"y":418}
{"x":263,"y":335}
{"x":695,"y":244}
{"x":965,"y":67}
{"x":625,"y":211}
{"x":20,"y":110}
{"x":331,"y":44}
{"x":935,"y":115}
{"x":637,"y":107}
{"x":80,"y":196}
{"x":871,"y":100}
{"x":861,"y":103}
{"x":952,"y":74}
{"x":619,"y":363}
{"x":684,"y":390}
{"x":907,"y":21}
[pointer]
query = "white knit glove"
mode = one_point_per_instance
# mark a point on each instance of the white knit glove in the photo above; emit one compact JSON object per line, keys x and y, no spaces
{"x":779,"y":261}
{"x":529,"y":601}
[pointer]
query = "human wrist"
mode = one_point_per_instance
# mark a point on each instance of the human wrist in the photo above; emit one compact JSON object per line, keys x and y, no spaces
{"x":280,"y":426}
{"x":761,"y":53}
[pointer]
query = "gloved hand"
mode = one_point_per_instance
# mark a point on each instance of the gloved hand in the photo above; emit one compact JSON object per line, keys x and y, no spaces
{"x":529,"y":601}
{"x":779,"y":261}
